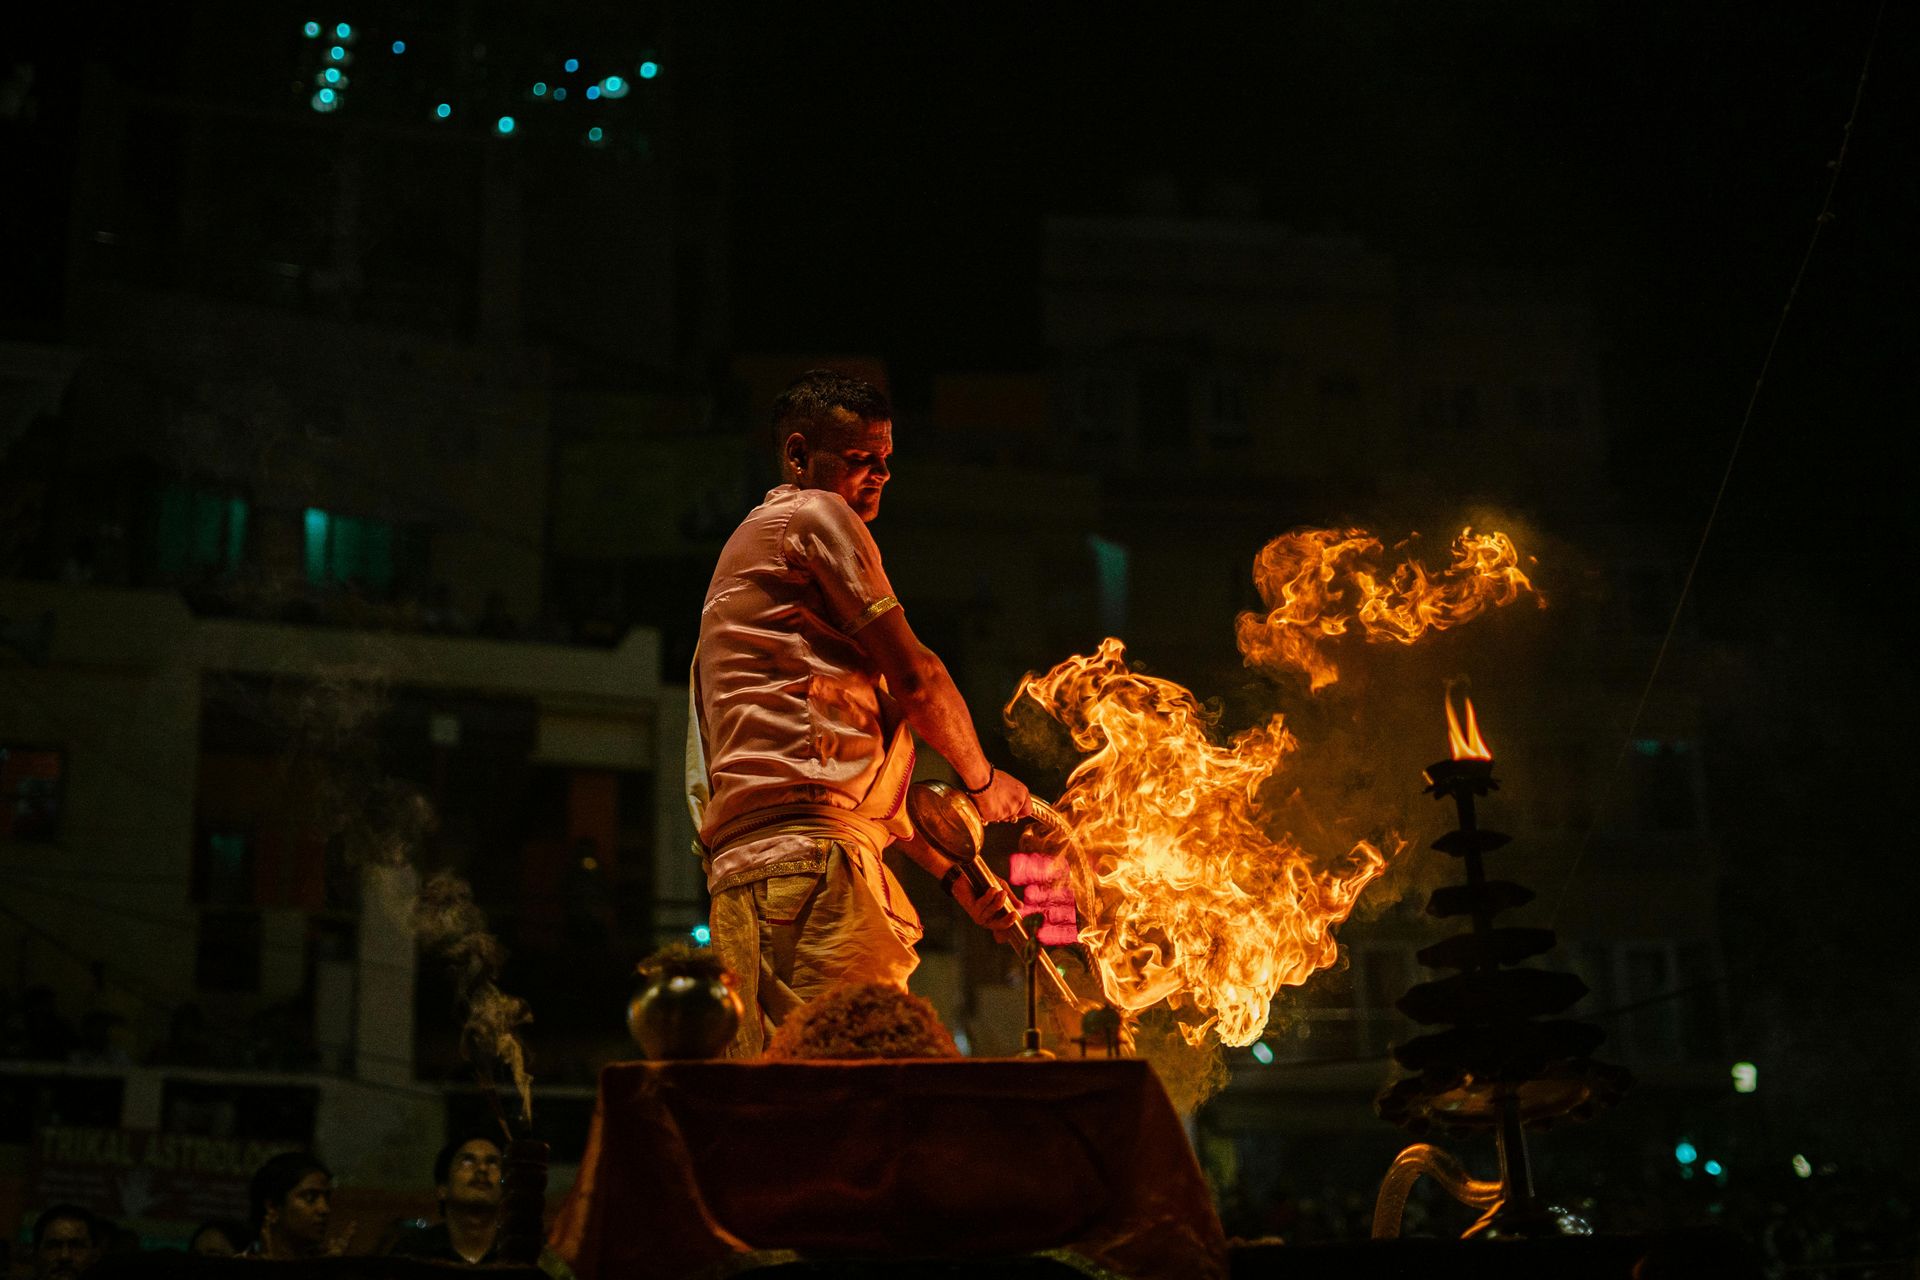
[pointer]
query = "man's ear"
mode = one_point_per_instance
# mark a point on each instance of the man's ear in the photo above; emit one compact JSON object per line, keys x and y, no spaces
{"x":794,"y":452}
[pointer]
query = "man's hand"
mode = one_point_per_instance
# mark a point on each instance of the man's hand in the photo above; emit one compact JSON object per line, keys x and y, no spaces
{"x":995,"y":910}
{"x":1004,"y":800}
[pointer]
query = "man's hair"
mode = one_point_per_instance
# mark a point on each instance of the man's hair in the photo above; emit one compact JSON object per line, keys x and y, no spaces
{"x":443,"y":1163}
{"x":809,"y":403}
{"x":62,"y":1213}
{"x":275,"y":1179}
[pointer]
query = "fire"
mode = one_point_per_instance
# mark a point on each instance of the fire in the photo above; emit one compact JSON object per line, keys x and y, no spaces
{"x":1319,"y":584}
{"x":1466,"y":745}
{"x":1190,"y":898}
{"x":1185,"y":892}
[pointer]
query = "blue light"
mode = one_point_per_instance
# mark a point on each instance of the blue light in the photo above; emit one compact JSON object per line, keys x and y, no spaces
{"x":1714,"y":1168}
{"x":573,"y":64}
{"x":399,"y":46}
{"x":1263,"y":1053}
{"x":649,"y":69}
{"x":596,"y":133}
{"x":312,"y":30}
{"x":337,"y":54}
{"x":593,"y":91}
{"x":702,"y":935}
{"x":333,"y":75}
{"x":539,"y":88}
{"x":1686,"y":1153}
{"x":505,"y":125}
{"x":443,"y":110}
{"x":559,"y":95}
{"x":343,"y":32}
{"x":614,"y":84}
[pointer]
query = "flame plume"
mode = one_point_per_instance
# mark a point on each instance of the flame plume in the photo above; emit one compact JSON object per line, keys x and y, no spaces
{"x":1186,"y":893}
{"x":1319,"y":584}
{"x":1191,"y":900}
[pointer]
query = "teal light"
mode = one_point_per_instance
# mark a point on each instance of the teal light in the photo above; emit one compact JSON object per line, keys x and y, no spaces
{"x":399,"y":46}
{"x":316,"y":544}
{"x":236,"y":530}
{"x":1263,"y":1053}
{"x":614,"y":84}
{"x":1686,"y":1153}
{"x":649,"y":69}
{"x":443,"y":110}
{"x":559,"y":95}
{"x":504,"y":125}
{"x":1647,"y":746}
{"x":573,"y":64}
{"x":593,"y":91}
{"x":539,"y":88}
{"x":337,"y":54}
{"x":596,"y":133}
{"x":701,"y":934}
{"x":327,"y":96}
{"x":312,"y":30}
{"x":1714,"y":1168}
{"x":333,"y":75}
{"x":343,"y":31}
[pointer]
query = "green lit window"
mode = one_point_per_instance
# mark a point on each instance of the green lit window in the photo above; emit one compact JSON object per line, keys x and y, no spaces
{"x":348,"y":549}
{"x":199,"y":529}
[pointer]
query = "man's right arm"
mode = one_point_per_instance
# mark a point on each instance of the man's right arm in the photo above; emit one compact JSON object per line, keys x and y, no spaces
{"x":925,"y":691}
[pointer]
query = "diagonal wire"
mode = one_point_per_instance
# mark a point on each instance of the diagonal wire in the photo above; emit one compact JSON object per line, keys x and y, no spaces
{"x":1733,"y":456}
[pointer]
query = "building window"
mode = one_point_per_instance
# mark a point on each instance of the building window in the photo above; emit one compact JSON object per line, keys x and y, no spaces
{"x":1530,"y":405}
{"x":1450,"y":409}
{"x":1566,"y":409}
{"x":227,"y":955}
{"x":1164,"y":411}
{"x":30,"y":791}
{"x":198,"y":529}
{"x":371,"y":554}
{"x":1664,"y":793}
{"x":223,"y":868}
{"x":1227,"y":411}
{"x":1096,"y":409}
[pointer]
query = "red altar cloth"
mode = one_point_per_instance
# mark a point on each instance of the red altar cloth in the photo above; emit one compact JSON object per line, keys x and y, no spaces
{"x":691,"y":1165}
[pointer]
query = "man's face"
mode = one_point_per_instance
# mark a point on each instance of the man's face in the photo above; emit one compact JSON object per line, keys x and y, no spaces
{"x":66,"y":1249}
{"x":302,"y":1217}
{"x":851,"y":459}
{"x":473,"y":1176}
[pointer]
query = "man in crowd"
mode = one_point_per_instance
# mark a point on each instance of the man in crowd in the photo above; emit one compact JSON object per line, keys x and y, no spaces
{"x":65,"y":1243}
{"x":466,"y":1178}
{"x":808,"y":689}
{"x":292,"y":1200}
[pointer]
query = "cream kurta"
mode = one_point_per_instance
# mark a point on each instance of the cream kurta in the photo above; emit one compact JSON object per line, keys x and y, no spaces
{"x":789,"y":707}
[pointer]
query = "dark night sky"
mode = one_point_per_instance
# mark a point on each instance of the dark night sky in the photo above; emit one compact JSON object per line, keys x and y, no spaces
{"x":893,"y":167}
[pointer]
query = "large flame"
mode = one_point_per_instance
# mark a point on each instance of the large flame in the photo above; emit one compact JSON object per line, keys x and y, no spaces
{"x":1318,"y":584}
{"x":1186,"y":892}
{"x":1192,"y":899}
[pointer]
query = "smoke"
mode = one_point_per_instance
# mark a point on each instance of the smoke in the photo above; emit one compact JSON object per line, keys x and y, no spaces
{"x":1190,"y":1073}
{"x":451,"y":925}
{"x":344,"y":795}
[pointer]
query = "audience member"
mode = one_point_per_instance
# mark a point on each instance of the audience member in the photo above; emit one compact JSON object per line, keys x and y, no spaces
{"x":292,"y":1198}
{"x":65,"y":1243}
{"x":219,"y":1238}
{"x":466,"y":1178}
